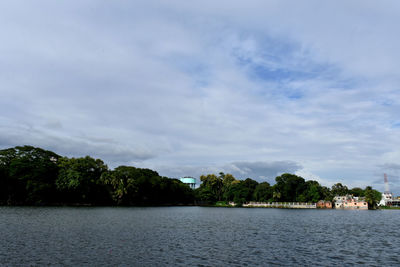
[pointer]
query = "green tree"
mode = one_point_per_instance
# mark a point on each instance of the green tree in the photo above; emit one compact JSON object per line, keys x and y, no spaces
{"x":148,"y":183}
{"x":79,"y":180}
{"x":204,"y":194}
{"x":122,"y":184}
{"x":357,"y":192}
{"x":339,"y":190}
{"x":288,"y":187}
{"x":173,"y":192}
{"x":326,"y":193}
{"x":263,"y":192}
{"x":227,"y":180}
{"x":213,"y":184}
{"x":372,"y":197}
{"x":250,"y":186}
{"x":27,"y":175}
{"x":6,"y":184}
{"x":238,"y":193}
{"x":134,"y":186}
{"x":276,"y":195}
{"x":312,"y":192}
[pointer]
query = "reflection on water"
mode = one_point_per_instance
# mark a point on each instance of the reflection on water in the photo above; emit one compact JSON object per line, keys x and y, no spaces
{"x":196,"y":236}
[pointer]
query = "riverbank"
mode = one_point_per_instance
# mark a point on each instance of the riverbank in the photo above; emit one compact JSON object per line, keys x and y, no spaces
{"x":280,"y":205}
{"x":219,"y":204}
{"x":389,"y":208}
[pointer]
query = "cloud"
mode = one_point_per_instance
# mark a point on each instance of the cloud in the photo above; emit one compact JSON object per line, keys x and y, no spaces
{"x":391,"y":166}
{"x":260,"y":170}
{"x":77,"y":146}
{"x":254,"y":88}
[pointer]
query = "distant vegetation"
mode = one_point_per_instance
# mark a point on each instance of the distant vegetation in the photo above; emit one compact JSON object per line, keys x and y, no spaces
{"x":34,"y":176}
{"x":288,"y":188}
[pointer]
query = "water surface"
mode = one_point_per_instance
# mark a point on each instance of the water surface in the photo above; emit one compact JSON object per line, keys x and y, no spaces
{"x":197,"y":236}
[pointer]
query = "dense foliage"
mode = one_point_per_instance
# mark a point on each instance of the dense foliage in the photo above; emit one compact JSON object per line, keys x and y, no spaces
{"x":33,"y":176}
{"x":134,"y":186}
{"x":27,"y":175}
{"x":288,"y":188}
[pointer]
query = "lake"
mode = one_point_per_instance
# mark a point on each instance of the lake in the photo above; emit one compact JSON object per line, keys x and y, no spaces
{"x":197,"y":236}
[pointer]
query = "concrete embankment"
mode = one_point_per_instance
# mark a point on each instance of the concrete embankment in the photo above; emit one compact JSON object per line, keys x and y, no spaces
{"x":287,"y":205}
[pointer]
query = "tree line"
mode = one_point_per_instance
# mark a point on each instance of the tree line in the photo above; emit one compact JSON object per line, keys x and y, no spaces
{"x":288,"y":188}
{"x":34,"y":176}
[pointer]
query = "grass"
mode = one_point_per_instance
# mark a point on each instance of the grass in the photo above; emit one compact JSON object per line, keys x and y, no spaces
{"x":222,"y":204}
{"x":389,"y":208}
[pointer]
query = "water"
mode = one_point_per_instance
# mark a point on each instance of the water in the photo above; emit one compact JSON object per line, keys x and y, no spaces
{"x":197,"y":236}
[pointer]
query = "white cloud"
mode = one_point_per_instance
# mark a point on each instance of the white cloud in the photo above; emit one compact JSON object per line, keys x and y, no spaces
{"x":193,"y":86}
{"x":259,"y":170}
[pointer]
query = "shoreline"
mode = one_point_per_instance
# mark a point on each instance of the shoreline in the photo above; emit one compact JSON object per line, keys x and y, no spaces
{"x":194,"y":205}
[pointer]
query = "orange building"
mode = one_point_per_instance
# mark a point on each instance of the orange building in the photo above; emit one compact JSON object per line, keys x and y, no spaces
{"x":322,"y":204}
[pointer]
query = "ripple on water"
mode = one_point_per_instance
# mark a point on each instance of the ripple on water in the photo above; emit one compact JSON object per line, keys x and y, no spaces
{"x":195,"y":236}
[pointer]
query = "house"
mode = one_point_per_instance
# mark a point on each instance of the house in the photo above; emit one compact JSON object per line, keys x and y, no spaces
{"x":386,"y":200}
{"x":389,"y":200}
{"x":322,"y":204}
{"x":350,"y":202}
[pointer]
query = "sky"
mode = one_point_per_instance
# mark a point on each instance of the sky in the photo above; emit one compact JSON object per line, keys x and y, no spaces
{"x":252,"y":88}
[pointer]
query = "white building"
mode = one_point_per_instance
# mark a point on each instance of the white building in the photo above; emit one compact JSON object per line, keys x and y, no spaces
{"x":386,"y":199}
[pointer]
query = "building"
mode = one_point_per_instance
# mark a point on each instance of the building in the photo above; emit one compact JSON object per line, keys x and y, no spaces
{"x":387,"y":196}
{"x":387,"y":199}
{"x":323,"y":204}
{"x":350,"y":202}
{"x":189,"y":181}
